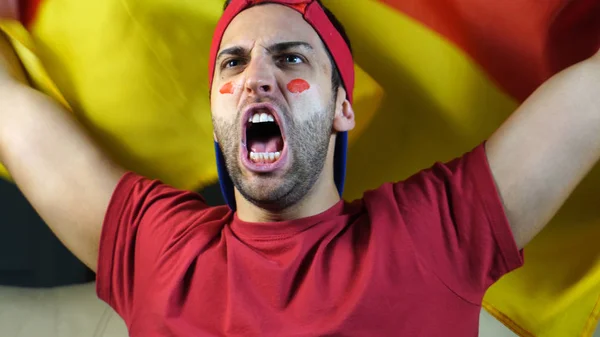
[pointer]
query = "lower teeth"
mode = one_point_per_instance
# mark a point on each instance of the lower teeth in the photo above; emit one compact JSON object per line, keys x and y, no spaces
{"x":264,"y":157}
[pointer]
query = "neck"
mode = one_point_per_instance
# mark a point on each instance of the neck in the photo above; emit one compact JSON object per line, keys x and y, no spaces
{"x":322,"y":196}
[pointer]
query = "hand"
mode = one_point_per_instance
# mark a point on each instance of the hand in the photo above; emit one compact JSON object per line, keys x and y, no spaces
{"x":9,"y":9}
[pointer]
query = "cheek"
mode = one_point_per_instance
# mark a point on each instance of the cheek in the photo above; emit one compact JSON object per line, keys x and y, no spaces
{"x":223,"y":102}
{"x":223,"y":108}
{"x":298,"y":86}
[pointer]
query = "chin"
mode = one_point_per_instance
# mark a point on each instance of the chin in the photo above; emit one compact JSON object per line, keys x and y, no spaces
{"x":268,"y":191}
{"x":264,"y":187}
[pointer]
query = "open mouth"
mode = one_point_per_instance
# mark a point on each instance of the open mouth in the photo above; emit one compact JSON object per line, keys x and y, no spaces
{"x":264,"y":139}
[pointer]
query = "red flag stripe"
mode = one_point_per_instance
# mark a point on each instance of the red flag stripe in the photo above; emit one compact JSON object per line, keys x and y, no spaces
{"x":519,"y":43}
{"x":28,"y":10}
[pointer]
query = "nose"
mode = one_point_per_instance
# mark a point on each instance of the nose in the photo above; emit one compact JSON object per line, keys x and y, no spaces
{"x":260,"y":78}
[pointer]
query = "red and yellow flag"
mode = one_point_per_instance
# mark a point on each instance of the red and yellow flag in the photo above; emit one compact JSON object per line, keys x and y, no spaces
{"x":434,"y":78}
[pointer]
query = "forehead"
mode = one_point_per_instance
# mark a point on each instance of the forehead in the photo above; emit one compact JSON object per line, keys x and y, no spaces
{"x":268,"y":24}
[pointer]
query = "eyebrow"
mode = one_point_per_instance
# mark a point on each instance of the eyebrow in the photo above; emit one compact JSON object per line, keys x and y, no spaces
{"x":278,"y":48}
{"x":275,"y":48}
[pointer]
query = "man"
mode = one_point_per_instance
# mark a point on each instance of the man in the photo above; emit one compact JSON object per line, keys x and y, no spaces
{"x":287,"y":256}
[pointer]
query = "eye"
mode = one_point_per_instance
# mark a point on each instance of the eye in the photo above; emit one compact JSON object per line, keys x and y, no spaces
{"x":291,"y":59}
{"x":231,"y":63}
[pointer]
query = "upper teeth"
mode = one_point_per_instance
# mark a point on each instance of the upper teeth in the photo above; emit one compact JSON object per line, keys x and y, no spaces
{"x":265,"y":157}
{"x":261,"y":117}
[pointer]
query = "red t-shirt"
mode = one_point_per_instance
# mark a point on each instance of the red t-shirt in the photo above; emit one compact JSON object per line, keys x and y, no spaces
{"x":412,"y":258}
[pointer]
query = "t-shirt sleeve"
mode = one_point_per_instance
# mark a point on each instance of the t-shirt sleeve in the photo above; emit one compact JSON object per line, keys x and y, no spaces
{"x":457,"y":223}
{"x":145,"y":218}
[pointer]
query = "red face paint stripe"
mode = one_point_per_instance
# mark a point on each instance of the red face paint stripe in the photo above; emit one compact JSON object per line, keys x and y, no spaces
{"x":298,"y":85}
{"x":227,"y":88}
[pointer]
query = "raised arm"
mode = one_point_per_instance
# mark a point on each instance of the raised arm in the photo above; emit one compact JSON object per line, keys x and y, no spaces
{"x":64,"y":175}
{"x":544,"y":150}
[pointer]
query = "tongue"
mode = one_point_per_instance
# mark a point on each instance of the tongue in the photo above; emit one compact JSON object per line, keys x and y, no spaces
{"x":273,"y":144}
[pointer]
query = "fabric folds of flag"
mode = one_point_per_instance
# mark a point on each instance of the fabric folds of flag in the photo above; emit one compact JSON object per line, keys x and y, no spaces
{"x":434,"y":78}
{"x":135,"y":73}
{"x":452,"y":71}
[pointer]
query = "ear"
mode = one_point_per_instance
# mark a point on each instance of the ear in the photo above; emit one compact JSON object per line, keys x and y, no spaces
{"x":344,"y":114}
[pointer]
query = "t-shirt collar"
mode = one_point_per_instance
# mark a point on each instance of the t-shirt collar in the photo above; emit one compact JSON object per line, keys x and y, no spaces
{"x":266,"y":230}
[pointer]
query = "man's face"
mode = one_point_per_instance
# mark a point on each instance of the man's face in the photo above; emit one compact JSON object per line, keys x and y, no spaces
{"x":273,"y":105}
